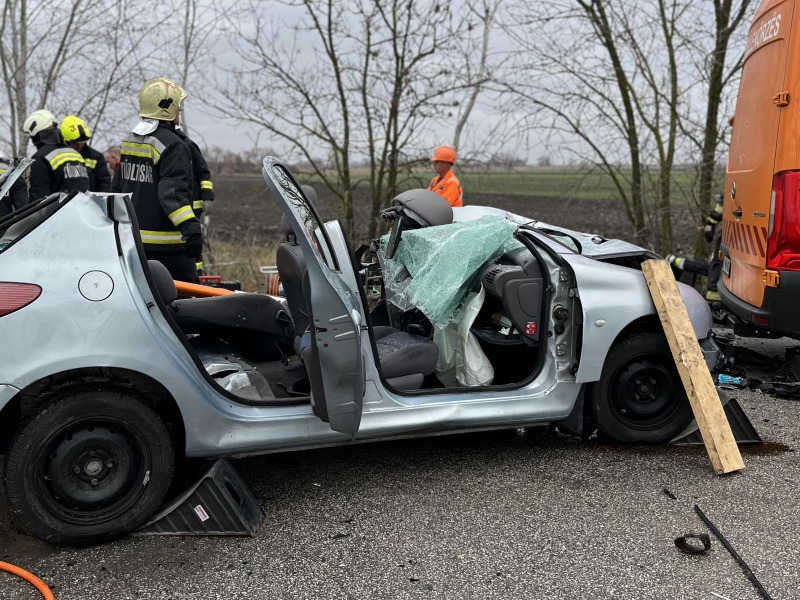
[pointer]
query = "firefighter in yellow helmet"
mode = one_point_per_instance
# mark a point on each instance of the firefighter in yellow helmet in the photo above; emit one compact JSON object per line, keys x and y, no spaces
{"x":156,"y":169}
{"x":445,"y":183}
{"x":77,"y":134}
{"x":56,"y":167}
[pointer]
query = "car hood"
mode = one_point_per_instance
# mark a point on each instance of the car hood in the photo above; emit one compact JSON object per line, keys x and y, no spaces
{"x":588,"y":244}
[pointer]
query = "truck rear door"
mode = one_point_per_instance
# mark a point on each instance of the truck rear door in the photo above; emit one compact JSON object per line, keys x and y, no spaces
{"x":752,"y":157}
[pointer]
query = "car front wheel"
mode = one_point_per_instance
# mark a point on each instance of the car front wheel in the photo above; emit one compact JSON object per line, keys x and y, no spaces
{"x":640,"y":397}
{"x":88,"y":467}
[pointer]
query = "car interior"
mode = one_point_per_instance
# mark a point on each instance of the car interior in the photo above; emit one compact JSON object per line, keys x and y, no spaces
{"x":257,"y":347}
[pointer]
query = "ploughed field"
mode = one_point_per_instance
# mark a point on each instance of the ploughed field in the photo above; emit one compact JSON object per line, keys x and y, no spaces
{"x":244,"y":213}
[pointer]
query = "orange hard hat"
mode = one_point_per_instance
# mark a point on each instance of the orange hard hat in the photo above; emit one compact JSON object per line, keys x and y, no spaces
{"x":445,"y":153}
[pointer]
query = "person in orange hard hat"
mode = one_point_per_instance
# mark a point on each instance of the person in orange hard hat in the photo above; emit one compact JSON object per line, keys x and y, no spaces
{"x":446,"y":184}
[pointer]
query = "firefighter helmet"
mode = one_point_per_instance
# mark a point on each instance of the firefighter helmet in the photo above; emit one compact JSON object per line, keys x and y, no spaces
{"x":38,"y":120}
{"x":445,"y":153}
{"x":75,"y":130}
{"x":160,"y":99}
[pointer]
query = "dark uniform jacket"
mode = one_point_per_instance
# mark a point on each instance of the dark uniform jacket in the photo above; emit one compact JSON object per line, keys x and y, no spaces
{"x":56,"y":167}
{"x":99,"y":177}
{"x":156,"y":170}
{"x":202,"y":188}
{"x":17,"y":196}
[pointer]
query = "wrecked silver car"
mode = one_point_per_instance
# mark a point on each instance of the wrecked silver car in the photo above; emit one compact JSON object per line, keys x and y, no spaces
{"x":468,"y":320}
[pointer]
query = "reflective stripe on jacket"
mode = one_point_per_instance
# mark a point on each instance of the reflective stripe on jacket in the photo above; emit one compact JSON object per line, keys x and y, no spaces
{"x":57,"y":168}
{"x":715,"y":216}
{"x":202,"y":188}
{"x":156,"y":170}
{"x":449,"y":188}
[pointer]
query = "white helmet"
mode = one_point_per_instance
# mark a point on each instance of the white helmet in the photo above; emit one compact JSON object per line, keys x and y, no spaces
{"x":38,"y":120}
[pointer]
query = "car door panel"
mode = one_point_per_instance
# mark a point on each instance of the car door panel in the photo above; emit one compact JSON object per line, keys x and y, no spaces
{"x":335,"y":362}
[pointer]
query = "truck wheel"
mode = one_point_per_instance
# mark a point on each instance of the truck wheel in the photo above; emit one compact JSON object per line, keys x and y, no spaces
{"x":640,"y":397}
{"x":89,"y":467}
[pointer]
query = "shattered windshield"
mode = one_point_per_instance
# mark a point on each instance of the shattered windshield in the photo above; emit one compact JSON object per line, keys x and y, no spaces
{"x":435,"y":268}
{"x":310,"y":224}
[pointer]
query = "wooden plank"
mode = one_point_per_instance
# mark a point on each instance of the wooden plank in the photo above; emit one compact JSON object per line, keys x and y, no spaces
{"x":708,"y":411}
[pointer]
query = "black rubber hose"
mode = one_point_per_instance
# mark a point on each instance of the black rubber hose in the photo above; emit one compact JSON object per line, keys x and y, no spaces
{"x":750,"y":575}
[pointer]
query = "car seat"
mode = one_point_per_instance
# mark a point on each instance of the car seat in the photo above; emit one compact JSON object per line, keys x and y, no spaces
{"x":254,"y":325}
{"x":404,"y":359}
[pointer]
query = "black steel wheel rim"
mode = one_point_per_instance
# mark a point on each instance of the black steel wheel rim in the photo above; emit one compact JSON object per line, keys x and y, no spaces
{"x":646,"y":393}
{"x":91,"y":472}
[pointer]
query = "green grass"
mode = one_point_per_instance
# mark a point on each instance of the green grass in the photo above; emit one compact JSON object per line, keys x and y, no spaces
{"x":559,"y":182}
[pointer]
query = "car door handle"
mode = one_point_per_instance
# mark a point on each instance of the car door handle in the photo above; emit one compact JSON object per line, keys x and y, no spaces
{"x":737,"y":212}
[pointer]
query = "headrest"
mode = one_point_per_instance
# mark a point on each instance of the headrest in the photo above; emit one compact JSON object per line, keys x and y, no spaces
{"x":425,"y":207}
{"x":311,"y":196}
{"x":162,"y":279}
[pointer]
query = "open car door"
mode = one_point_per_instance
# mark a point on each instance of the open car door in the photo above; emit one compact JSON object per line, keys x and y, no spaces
{"x":334,"y":362}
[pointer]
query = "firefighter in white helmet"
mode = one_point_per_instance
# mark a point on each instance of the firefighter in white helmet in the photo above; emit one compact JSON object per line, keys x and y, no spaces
{"x":56,"y":167}
{"x":77,"y":134}
{"x":156,"y":169}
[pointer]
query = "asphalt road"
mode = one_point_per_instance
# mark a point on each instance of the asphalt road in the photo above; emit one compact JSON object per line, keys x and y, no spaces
{"x":492,"y":515}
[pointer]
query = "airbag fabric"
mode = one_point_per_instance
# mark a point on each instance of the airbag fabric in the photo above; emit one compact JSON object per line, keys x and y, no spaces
{"x":443,"y":263}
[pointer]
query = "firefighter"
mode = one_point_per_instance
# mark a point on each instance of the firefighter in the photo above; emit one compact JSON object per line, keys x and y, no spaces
{"x":685,"y":268}
{"x":56,"y":167}
{"x":715,"y":266}
{"x":17,"y":196}
{"x":77,"y":134}
{"x":202,"y":188}
{"x":445,"y":183}
{"x":156,"y":169}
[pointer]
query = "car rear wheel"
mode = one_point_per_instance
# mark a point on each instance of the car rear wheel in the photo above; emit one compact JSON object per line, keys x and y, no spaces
{"x":640,"y":397}
{"x":89,"y":467}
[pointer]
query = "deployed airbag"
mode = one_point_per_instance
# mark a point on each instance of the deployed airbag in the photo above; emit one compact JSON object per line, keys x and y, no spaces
{"x":435,"y":268}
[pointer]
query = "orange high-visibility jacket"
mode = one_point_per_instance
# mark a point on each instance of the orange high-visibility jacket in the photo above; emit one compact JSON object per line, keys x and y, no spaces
{"x":449,"y":188}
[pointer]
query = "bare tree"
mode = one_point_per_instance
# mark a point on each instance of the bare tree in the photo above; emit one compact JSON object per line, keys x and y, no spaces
{"x":196,"y":40}
{"x":350,"y":82}
{"x":616,"y":75}
{"x":485,"y":12}
{"x":404,"y":64}
{"x":71,"y":58}
{"x":718,"y":78}
{"x":18,"y":46}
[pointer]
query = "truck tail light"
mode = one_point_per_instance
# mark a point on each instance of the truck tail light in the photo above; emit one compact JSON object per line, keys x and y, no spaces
{"x":14,"y":296}
{"x":783,"y":243}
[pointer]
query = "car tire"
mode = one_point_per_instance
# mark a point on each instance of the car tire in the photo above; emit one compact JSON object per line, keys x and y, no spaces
{"x":640,"y":397}
{"x":89,"y":466}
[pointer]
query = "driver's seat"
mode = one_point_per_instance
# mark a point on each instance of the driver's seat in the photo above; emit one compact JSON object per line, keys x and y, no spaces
{"x":404,"y":359}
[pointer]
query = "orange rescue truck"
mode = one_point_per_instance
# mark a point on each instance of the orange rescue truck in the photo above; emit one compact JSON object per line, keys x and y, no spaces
{"x":760,"y":247}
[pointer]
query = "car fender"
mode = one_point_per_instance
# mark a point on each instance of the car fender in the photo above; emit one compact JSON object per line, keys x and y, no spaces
{"x":613,"y":297}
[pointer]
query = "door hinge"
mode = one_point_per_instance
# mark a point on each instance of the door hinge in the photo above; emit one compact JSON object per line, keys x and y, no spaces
{"x":782,"y":99}
{"x":770,"y":278}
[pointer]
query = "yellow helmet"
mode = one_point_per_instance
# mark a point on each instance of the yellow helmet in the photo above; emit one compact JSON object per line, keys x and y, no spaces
{"x":38,"y":120}
{"x":160,"y":99}
{"x":75,"y":130}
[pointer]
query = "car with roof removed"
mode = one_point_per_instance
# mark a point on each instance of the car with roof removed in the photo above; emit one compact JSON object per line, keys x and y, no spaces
{"x":457,"y":320}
